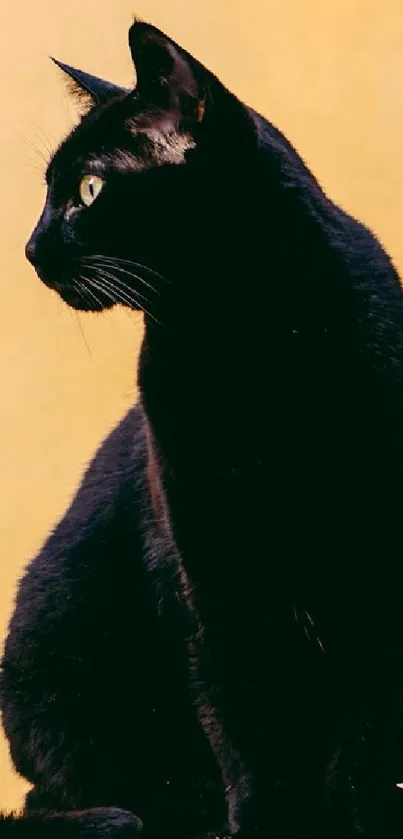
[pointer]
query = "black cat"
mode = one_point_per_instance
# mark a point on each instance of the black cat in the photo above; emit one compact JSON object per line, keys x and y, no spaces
{"x":212,"y":637}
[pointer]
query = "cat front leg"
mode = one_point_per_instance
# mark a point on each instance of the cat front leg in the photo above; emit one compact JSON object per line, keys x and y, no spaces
{"x":96,"y":823}
{"x":94,"y":686}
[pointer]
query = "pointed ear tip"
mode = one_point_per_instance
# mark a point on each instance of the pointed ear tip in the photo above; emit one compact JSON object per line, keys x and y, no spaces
{"x":60,"y":64}
{"x":140,"y":28}
{"x":136,"y":23}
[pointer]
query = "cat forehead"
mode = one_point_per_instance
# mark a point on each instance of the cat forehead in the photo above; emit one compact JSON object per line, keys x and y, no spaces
{"x":130,"y":145}
{"x":162,"y":146}
{"x":150,"y":148}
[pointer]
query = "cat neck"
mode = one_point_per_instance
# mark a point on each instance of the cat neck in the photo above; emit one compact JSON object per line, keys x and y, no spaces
{"x":206,"y":443}
{"x":196,"y":393}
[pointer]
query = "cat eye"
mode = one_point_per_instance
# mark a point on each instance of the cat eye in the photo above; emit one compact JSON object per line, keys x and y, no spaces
{"x":90,"y":187}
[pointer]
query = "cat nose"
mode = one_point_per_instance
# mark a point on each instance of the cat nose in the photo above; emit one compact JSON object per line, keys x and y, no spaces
{"x":30,"y":250}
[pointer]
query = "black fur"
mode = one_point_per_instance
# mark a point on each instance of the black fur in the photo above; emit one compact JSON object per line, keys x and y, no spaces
{"x":212,"y":636}
{"x":97,"y":823}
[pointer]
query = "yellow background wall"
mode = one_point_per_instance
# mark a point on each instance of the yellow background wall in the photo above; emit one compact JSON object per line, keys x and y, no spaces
{"x":330,"y":74}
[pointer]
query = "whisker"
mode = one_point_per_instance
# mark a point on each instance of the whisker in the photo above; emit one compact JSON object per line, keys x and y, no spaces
{"x":117,"y":291}
{"x":46,"y":143}
{"x":87,"y":293}
{"x":117,"y":260}
{"x":29,"y":161}
{"x":38,"y":152}
{"x":84,"y":289}
{"x":129,"y":274}
{"x":84,"y":293}
{"x":81,"y":329}
{"x":129,"y":290}
{"x":102,"y":284}
{"x":76,"y":320}
{"x":118,"y":295}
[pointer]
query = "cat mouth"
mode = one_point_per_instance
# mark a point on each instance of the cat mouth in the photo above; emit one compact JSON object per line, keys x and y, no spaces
{"x":99,"y":282}
{"x":75,"y":293}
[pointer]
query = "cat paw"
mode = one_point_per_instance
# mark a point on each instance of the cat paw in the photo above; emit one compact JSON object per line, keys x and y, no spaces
{"x":104,"y":823}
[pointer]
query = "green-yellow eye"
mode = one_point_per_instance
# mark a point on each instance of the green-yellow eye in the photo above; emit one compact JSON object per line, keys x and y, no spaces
{"x":90,"y":187}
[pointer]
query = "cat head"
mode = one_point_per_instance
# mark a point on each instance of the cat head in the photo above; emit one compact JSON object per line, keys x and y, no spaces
{"x":144,"y":185}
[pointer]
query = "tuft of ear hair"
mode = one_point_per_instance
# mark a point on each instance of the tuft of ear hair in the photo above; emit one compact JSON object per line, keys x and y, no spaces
{"x":87,"y":89}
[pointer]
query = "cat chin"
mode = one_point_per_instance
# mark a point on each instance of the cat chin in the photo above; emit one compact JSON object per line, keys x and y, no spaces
{"x":76,"y":301}
{"x":81,"y":299}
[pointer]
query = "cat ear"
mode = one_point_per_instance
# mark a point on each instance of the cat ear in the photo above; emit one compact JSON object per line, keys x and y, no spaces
{"x":87,"y":87}
{"x":171,"y":80}
{"x":167,"y":76}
